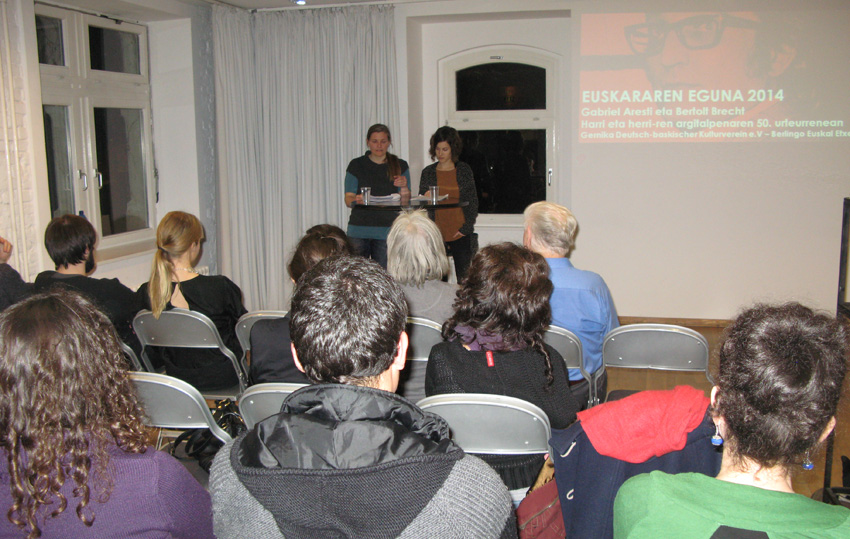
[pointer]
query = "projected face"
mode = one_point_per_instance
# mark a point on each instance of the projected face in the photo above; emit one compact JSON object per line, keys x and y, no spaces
{"x":703,"y":51}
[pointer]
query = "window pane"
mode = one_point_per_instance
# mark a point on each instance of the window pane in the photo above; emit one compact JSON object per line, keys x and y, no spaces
{"x":113,"y":50}
{"x":48,"y":34}
{"x":120,"y":161}
{"x":501,"y":86}
{"x":60,"y":177}
{"x":509,"y":167}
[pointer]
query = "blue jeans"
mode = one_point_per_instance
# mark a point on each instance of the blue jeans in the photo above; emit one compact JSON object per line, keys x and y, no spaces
{"x":374,"y":249}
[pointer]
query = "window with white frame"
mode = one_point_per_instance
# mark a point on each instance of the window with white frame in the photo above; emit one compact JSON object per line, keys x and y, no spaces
{"x":501,"y":100}
{"x":97,"y":128}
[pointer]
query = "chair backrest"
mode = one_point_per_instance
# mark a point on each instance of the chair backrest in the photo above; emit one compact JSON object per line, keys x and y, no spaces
{"x":568,"y":345}
{"x":182,"y":328}
{"x":422,"y":335}
{"x":243,"y":330}
{"x":492,"y":424}
{"x":134,"y":359}
{"x":263,"y":400}
{"x":174,"y":404}
{"x":656,"y":346}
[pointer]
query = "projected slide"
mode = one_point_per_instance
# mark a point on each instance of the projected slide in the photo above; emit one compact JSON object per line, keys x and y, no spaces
{"x":714,"y":77}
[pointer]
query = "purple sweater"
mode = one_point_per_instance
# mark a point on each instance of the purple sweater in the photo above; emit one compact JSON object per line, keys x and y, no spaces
{"x":154,"y":497}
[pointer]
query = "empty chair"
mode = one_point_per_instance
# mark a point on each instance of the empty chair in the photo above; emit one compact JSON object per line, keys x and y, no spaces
{"x":422,"y":334}
{"x":170,"y":403}
{"x":568,"y":345}
{"x":492,"y":424}
{"x":654,"y":346}
{"x":243,"y":330}
{"x":182,"y":328}
{"x":263,"y":400}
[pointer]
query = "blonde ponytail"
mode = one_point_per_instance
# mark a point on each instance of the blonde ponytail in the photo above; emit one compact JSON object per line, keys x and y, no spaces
{"x":174,"y":236}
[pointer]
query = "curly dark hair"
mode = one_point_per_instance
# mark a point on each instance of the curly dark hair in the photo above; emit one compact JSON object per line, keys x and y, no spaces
{"x":506,"y":292}
{"x":320,"y":242}
{"x":780,"y":378}
{"x":450,"y":136}
{"x":65,"y":397}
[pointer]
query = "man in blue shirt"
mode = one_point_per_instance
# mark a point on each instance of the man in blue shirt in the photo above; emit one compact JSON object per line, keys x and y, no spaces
{"x":581,"y":301}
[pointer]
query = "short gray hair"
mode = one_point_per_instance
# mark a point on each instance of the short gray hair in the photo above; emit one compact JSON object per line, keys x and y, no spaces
{"x":552,"y":226}
{"x":415,"y":249}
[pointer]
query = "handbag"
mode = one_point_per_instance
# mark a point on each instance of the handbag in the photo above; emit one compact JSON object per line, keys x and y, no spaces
{"x":201,"y":445}
{"x":539,"y":514}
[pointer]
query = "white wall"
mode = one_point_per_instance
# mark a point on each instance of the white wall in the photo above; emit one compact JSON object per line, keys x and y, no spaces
{"x":677,"y":230}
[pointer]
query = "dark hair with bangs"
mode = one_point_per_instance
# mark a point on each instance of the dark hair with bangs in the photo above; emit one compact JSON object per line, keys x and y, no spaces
{"x":450,"y":136}
{"x":347,"y":317}
{"x":506,"y":292}
{"x":780,"y":378}
{"x":65,"y":397}
{"x":66,"y":239}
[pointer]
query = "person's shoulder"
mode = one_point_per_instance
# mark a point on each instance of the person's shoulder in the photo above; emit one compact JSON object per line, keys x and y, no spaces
{"x":270,"y":326}
{"x":463,"y":167}
{"x":44,"y":277}
{"x":403,"y":164}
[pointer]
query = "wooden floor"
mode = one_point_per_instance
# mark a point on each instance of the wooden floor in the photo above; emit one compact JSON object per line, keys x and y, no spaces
{"x":805,"y":483}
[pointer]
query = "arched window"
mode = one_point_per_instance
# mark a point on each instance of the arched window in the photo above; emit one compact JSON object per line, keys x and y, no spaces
{"x":500,"y":100}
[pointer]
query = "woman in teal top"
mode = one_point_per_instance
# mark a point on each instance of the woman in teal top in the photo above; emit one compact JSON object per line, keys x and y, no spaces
{"x":385,"y":174}
{"x":781,"y":374}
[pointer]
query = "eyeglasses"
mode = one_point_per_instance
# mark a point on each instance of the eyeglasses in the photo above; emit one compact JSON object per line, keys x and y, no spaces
{"x":697,"y":32}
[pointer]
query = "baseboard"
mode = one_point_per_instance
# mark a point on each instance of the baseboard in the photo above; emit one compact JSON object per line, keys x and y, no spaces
{"x":686,"y":322}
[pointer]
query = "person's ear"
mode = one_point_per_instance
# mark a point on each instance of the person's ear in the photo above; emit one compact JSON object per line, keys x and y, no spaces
{"x":401,"y":355}
{"x":781,"y":58}
{"x":828,"y":430}
{"x":295,"y":358}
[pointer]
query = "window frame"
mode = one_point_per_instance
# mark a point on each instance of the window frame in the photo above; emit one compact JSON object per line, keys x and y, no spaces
{"x":539,"y":119}
{"x":82,"y":89}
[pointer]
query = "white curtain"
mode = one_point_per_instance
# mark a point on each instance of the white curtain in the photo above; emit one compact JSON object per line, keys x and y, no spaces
{"x":295,"y":92}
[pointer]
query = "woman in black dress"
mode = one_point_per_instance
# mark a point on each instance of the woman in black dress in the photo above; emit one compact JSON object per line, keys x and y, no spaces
{"x":494,"y":344}
{"x":175,"y":283}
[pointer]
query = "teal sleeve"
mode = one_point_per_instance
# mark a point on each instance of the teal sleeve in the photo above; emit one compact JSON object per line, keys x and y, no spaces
{"x":351,"y":183}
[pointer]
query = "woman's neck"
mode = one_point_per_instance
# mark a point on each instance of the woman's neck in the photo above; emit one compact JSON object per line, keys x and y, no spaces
{"x":750,"y":473}
{"x":183,"y":269}
{"x":378,"y":160}
{"x":445,"y":166}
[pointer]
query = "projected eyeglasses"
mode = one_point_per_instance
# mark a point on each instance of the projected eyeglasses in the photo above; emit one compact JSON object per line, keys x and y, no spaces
{"x":697,"y":32}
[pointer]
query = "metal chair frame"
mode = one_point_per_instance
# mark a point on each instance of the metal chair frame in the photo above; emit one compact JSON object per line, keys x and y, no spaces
{"x":243,"y":331}
{"x":569,"y":346}
{"x":263,"y":400}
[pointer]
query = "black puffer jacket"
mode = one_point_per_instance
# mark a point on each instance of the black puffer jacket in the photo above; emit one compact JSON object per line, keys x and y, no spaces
{"x":349,"y":461}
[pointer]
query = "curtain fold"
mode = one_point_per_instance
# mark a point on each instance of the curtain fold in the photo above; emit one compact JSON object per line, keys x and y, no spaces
{"x":295,"y":93}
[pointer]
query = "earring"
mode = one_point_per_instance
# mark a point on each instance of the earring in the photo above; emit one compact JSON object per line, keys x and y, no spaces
{"x":807,"y":463}
{"x":717,"y":439}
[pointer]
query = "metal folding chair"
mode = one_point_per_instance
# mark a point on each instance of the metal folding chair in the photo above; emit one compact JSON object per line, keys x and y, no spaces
{"x":174,"y":404}
{"x":182,"y":328}
{"x":422,"y":334}
{"x":492,"y":424}
{"x":243,"y":331}
{"x":568,"y":345}
{"x":264,"y":400}
{"x":654,"y":346}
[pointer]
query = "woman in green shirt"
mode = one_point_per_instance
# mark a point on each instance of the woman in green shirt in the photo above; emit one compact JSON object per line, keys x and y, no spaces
{"x":781,"y":374}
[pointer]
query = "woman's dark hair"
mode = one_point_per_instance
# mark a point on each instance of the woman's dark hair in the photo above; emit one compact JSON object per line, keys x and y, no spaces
{"x":393,"y":165}
{"x":320,"y":242}
{"x":780,"y":377}
{"x":450,"y":136}
{"x":506,"y":293}
{"x":65,"y":398}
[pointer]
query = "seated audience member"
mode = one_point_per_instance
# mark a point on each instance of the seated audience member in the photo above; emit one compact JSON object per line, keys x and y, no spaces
{"x":346,"y":457}
{"x":271,"y":350}
{"x":416,"y":258}
{"x":70,"y":240}
{"x":77,"y":460}
{"x":12,"y":287}
{"x":580,"y":300}
{"x":175,"y":283}
{"x":495,"y":345}
{"x":780,"y":379}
